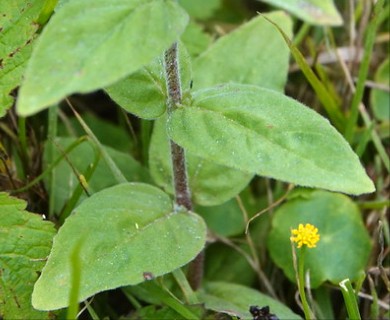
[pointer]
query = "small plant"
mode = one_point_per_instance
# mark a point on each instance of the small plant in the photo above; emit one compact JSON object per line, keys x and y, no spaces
{"x":178,"y":197}
{"x":304,"y":236}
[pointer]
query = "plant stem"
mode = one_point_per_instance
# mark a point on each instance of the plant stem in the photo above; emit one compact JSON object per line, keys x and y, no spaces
{"x":76,"y":267}
{"x":301,"y":284}
{"x":180,"y":179}
{"x":52,"y":122}
{"x":182,"y":192}
{"x":23,"y":144}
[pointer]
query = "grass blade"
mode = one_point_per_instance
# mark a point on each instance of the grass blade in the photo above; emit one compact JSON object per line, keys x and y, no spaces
{"x":363,"y":71}
{"x":323,"y":95}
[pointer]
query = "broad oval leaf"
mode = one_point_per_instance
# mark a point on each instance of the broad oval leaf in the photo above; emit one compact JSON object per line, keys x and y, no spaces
{"x":320,"y":12}
{"x":235,"y":300}
{"x":344,"y":246}
{"x":129,"y":232}
{"x":254,"y":53}
{"x":91,"y":44}
{"x":262,"y":131}
{"x":210,"y":183}
{"x":25,"y":242}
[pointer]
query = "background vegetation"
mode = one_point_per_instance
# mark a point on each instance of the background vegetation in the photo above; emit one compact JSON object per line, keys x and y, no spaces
{"x":68,"y":149}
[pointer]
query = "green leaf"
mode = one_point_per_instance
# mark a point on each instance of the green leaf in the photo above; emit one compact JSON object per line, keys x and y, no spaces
{"x":330,"y":104}
{"x":210,"y":183}
{"x":380,"y":99}
{"x":195,"y":39}
{"x":17,"y":30}
{"x":164,"y":313}
{"x":47,"y":11}
{"x":153,"y":293}
{"x":94,"y":43}
{"x":344,"y":246}
{"x":144,"y":92}
{"x":25,"y":242}
{"x":107,"y":132}
{"x":262,"y":131}
{"x":200,"y":9}
{"x":235,"y":300}
{"x":119,"y":226}
{"x":370,"y":36}
{"x":80,"y":159}
{"x":350,"y":299}
{"x":225,"y":219}
{"x":320,"y":12}
{"x":254,"y":53}
{"x":226,"y":264}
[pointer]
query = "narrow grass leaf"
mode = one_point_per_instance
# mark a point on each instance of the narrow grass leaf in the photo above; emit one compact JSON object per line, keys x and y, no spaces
{"x":350,"y":299}
{"x":363,"y":71}
{"x":158,"y":295}
{"x":380,"y":99}
{"x":117,"y":173}
{"x":323,"y":95}
{"x":82,"y":159}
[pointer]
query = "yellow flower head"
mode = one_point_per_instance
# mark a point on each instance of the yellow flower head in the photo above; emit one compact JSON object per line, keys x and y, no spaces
{"x":307,"y":235}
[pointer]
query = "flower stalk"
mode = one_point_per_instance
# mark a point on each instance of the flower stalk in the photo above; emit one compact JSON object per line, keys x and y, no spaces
{"x":304,"y":236}
{"x":301,"y":285}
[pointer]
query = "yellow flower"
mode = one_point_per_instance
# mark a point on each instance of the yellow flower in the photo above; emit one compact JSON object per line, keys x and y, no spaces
{"x":307,"y":235}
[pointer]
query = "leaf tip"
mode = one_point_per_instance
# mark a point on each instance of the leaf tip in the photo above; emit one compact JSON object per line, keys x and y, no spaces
{"x":368,"y":186}
{"x":36,"y":300}
{"x":363,"y":186}
{"x":24,"y":105}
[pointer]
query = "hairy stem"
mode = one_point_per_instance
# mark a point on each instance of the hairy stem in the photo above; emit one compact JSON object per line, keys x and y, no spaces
{"x":180,"y":180}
